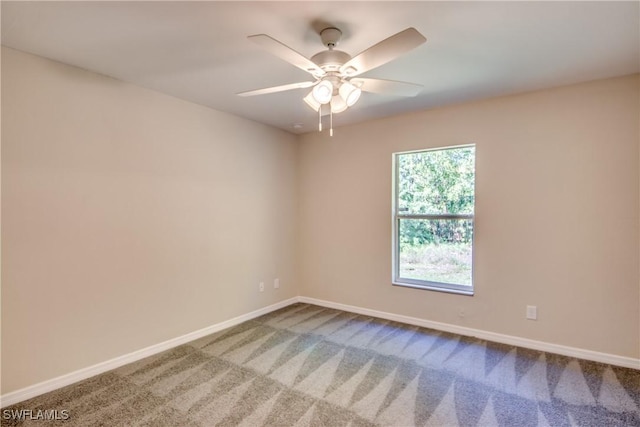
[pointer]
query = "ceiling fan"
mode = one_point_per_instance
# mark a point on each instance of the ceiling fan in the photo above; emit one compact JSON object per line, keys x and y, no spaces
{"x":336,"y":86}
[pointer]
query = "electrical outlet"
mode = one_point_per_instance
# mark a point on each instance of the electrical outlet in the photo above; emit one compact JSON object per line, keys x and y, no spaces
{"x":261,"y":286}
{"x":276,"y":283}
{"x":532,"y":312}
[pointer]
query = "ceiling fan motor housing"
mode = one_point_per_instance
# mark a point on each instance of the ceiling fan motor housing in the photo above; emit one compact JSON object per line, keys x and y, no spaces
{"x":330,"y":60}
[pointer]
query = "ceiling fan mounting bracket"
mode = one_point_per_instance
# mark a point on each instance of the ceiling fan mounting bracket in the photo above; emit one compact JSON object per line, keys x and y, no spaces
{"x":330,"y":37}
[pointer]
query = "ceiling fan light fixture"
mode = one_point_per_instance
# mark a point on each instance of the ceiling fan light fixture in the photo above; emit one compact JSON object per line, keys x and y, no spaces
{"x":349,"y":93}
{"x":338,"y":105}
{"x":323,"y":92}
{"x":311,"y":101}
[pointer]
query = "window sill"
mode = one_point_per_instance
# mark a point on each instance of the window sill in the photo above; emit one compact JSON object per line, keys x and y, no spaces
{"x":433,"y":287}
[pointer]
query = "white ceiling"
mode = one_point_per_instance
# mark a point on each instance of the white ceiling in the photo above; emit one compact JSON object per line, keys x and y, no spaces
{"x":198,"y":51}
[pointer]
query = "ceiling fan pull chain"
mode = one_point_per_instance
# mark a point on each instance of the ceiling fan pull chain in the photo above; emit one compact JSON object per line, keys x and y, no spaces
{"x":320,"y":119}
{"x":331,"y":123}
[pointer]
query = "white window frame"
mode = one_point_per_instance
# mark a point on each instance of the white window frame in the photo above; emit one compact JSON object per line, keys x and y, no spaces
{"x":398,"y":216}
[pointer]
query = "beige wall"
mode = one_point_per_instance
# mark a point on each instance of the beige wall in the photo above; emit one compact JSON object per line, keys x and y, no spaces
{"x":556,"y":215}
{"x":130,"y":217}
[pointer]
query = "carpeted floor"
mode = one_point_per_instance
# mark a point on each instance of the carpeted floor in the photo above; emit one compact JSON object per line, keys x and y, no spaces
{"x":306,"y":365}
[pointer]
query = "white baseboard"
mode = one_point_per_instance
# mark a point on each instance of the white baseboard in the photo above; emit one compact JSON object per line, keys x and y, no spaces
{"x":81,"y":374}
{"x":612,"y":359}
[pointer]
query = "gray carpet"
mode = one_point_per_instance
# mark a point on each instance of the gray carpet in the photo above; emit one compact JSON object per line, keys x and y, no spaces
{"x":306,"y":365}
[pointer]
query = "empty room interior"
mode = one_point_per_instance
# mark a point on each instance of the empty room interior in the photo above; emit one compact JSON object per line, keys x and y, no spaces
{"x":320,"y":213}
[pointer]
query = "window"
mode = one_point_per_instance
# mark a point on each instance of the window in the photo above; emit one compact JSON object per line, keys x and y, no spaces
{"x":433,"y":214}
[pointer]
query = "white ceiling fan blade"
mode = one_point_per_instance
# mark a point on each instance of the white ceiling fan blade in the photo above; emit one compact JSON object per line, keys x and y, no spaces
{"x":383,"y":52}
{"x":387,"y":87}
{"x":274,"y":89}
{"x":285,"y":52}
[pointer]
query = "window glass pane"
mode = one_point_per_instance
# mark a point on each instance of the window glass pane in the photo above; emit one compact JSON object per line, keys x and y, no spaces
{"x":436,"y":182}
{"x":436,"y":250}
